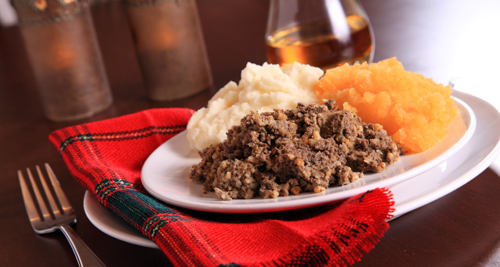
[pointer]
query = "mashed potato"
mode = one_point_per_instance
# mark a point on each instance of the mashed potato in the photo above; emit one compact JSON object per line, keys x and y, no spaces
{"x":261,"y":88}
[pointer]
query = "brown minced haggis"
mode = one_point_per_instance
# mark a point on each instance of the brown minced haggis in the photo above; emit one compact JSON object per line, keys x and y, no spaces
{"x":287,"y":152}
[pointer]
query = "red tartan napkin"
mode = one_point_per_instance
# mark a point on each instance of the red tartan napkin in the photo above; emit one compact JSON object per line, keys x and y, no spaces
{"x":106,"y":157}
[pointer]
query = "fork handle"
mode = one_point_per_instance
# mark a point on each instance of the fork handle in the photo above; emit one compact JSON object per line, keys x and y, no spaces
{"x":84,"y":255}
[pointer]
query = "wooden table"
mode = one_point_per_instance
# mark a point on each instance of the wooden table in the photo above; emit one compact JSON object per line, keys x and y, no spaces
{"x":436,"y":38}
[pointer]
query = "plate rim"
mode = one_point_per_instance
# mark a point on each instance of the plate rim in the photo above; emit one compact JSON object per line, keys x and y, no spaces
{"x":100,"y":217}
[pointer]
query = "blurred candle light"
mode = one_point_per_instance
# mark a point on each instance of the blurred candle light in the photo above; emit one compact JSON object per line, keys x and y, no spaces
{"x":62,"y":47}
{"x":170,"y":47}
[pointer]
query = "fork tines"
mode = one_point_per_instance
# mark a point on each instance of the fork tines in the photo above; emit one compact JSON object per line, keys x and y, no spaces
{"x":37,"y":210}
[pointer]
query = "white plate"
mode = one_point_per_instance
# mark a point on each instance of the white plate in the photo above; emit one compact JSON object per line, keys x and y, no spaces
{"x":165,"y":174}
{"x":482,"y":149}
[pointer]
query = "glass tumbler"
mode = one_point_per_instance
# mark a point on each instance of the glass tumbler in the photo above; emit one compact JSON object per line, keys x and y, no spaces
{"x":321,"y":33}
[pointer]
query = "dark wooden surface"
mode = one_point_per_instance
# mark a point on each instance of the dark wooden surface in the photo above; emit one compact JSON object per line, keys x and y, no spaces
{"x":437,"y":38}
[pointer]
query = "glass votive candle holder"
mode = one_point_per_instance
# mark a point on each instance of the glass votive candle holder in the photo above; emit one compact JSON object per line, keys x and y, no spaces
{"x":170,"y":47}
{"x":63,"y":50}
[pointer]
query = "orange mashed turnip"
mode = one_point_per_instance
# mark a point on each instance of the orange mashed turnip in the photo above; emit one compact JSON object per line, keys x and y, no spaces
{"x":413,"y":109}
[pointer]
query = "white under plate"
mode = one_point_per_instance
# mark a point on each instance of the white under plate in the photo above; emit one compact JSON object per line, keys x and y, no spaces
{"x":165,"y":174}
{"x":111,"y":224}
{"x":482,"y":149}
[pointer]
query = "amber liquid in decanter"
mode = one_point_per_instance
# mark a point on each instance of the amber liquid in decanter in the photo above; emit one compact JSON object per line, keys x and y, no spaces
{"x":316,"y":45}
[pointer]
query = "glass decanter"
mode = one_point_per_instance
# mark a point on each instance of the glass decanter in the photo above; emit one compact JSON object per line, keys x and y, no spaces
{"x":321,"y":33}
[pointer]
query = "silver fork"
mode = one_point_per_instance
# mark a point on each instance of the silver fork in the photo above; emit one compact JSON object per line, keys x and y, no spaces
{"x":59,"y":216}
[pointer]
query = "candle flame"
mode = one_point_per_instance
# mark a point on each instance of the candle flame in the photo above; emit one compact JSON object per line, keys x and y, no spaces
{"x":41,"y":4}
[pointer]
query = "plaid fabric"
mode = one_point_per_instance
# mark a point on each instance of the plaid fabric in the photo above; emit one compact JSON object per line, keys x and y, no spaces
{"x":106,"y":158}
